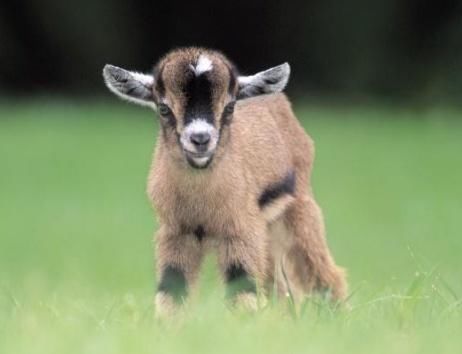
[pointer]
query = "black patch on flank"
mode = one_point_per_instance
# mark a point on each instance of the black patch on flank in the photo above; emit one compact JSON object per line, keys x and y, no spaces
{"x":276,"y":190}
{"x":198,"y":90}
{"x":238,"y":281}
{"x":199,"y":232}
{"x":173,"y":282}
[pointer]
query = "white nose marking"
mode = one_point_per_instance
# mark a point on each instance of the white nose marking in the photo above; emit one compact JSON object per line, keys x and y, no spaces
{"x":198,"y":126}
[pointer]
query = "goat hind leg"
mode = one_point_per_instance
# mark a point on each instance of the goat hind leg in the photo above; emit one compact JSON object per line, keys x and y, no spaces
{"x":309,"y":259}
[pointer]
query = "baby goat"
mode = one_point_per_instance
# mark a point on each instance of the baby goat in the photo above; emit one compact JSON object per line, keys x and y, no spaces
{"x":231,"y":171}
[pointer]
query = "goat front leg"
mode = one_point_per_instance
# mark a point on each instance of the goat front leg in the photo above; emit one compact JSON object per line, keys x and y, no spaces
{"x":243,"y":262}
{"x":179,"y":256}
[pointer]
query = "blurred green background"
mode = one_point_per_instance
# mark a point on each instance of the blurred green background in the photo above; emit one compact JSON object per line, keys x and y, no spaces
{"x":76,"y":257}
{"x":375,"y":83}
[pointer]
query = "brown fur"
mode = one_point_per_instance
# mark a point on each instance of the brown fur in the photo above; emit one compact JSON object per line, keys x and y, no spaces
{"x":173,"y":70}
{"x":264,"y":141}
{"x":279,"y":238}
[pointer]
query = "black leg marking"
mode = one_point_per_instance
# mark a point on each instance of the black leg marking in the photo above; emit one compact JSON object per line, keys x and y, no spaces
{"x":199,"y":233}
{"x":276,"y":190}
{"x":238,"y":281}
{"x":173,"y":282}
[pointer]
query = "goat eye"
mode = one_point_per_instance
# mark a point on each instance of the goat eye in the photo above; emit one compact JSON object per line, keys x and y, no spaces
{"x":164,"y":110}
{"x":229,"y":108}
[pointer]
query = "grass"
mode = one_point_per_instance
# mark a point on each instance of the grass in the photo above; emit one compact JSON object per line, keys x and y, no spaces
{"x":76,"y":256}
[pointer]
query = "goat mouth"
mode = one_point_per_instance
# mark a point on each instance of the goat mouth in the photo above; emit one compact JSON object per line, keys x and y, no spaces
{"x":198,"y":155}
{"x":198,"y":160}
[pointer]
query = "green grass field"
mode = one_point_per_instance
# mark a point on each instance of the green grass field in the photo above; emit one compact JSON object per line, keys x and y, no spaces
{"x":76,"y":253}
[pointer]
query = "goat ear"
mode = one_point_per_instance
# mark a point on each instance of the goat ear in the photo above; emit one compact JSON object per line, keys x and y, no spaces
{"x":268,"y":81}
{"x":129,"y":85}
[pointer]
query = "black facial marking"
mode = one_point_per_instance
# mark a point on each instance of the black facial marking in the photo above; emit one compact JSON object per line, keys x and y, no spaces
{"x":171,"y":121}
{"x":160,"y":85}
{"x":168,"y":119}
{"x":276,"y":190}
{"x":168,"y":122}
{"x":198,"y":90}
{"x":228,"y":113}
{"x":232,"y":80}
{"x":238,"y":281}
{"x":199,"y":233}
{"x":173,"y":282}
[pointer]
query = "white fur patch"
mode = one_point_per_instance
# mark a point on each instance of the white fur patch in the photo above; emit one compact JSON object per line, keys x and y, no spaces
{"x":203,"y":65}
{"x":147,"y":80}
{"x":165,"y":305}
{"x":111,"y":75}
{"x":199,"y":126}
{"x":201,"y":161}
{"x":268,"y":81}
{"x":245,"y":80}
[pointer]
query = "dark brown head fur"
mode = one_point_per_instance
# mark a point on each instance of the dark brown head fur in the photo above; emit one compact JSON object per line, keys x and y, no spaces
{"x":194,"y":90}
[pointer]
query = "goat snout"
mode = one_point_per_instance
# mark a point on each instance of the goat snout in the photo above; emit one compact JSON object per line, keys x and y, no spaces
{"x":200,"y":140}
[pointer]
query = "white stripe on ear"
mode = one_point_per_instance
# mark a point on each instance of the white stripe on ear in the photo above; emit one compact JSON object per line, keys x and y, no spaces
{"x":131,"y":86}
{"x":268,"y":81}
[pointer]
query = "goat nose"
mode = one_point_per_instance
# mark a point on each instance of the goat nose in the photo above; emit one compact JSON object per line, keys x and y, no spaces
{"x":200,"y":139}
